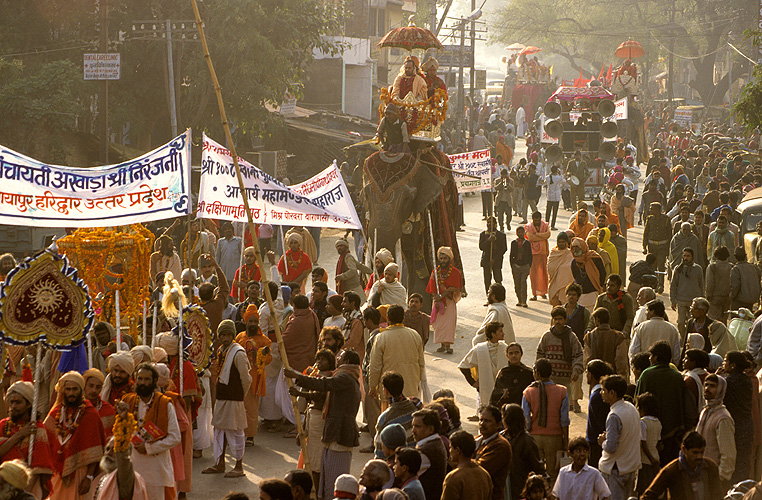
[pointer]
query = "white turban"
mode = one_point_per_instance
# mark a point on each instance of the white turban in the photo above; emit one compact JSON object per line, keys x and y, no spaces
{"x":168,"y":342}
{"x":295,"y":237}
{"x":71,"y":376}
{"x":385,"y":256}
{"x":122,"y":359}
{"x":141,"y":354}
{"x":392,"y":268}
{"x":23,"y":389}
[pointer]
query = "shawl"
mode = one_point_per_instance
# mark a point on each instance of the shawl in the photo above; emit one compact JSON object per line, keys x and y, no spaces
{"x":563,"y":335}
{"x":586,"y":261}
{"x":539,"y":245}
{"x":712,"y":405}
{"x":605,"y":244}
{"x":581,"y":230}
{"x":157,"y":413}
{"x":83,"y":446}
{"x":559,"y":270}
{"x":542,"y":413}
{"x":340,"y":286}
{"x":42,"y":459}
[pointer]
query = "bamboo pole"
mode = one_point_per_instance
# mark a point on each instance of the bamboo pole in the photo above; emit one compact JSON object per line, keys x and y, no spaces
{"x":118,"y":321}
{"x":180,"y":343}
{"x":154,"y":323}
{"x":257,"y":253}
{"x":37,"y":376}
{"x":145,"y":320}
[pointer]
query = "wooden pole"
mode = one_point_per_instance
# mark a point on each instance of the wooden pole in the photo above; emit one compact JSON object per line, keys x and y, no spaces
{"x":257,"y":253}
{"x":145,"y":320}
{"x":433,"y":253}
{"x":89,"y":349}
{"x":37,"y":376}
{"x":180,"y":342}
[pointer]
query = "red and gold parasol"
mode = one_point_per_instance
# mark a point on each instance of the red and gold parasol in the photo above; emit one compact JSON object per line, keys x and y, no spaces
{"x":630,"y":50}
{"x":410,"y":37}
{"x":529,"y":50}
{"x":197,"y":337}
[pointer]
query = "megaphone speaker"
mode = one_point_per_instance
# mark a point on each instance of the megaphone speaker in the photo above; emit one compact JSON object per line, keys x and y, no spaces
{"x":606,"y":108}
{"x":607,"y":150}
{"x":609,"y":130}
{"x":554,"y":128}
{"x":552,"y":109}
{"x":553,"y":153}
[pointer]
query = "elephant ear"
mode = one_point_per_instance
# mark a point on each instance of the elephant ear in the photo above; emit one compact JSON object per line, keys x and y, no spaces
{"x":428,"y":186}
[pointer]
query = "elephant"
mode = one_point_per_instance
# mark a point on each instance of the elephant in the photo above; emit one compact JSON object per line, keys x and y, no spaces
{"x":397,"y":191}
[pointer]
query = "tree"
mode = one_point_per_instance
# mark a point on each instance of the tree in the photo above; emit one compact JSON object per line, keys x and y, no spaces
{"x":748,"y":107}
{"x":260,"y":49}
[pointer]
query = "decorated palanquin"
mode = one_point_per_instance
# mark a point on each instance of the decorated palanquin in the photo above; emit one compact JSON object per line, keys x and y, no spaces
{"x":110,"y":259}
{"x":424,"y":118}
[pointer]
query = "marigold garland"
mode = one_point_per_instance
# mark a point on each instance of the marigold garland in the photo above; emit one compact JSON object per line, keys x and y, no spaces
{"x":95,"y":252}
{"x":123,"y":431}
{"x":430,"y":112}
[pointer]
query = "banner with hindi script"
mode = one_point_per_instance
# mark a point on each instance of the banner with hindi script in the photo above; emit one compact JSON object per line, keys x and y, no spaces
{"x":476,"y":163}
{"x":151,"y":187}
{"x":270,"y":201}
{"x":328,"y":190}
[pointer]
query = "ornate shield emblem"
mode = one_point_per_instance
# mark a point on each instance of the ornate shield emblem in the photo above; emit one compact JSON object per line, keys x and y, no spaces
{"x":42,"y":299}
{"x":197,"y":337}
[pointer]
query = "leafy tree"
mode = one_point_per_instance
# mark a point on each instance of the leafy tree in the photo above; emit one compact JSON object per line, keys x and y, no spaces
{"x":748,"y":107}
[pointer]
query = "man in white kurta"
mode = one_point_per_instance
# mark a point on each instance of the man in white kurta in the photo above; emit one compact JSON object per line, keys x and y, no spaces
{"x":497,"y":310}
{"x":269,"y":409}
{"x":487,"y":358}
{"x":152,"y":459}
{"x":229,"y":419}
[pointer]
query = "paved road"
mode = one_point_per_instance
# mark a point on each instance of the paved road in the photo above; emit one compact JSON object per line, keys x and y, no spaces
{"x":273,"y":455}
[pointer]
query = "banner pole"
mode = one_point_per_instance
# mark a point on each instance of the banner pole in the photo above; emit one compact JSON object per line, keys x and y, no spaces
{"x":145,"y":320}
{"x":154,"y":324}
{"x":89,"y":349}
{"x":250,"y":220}
{"x":180,"y":342}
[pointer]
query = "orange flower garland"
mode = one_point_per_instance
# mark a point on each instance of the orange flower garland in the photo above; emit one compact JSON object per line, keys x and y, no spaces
{"x":431,"y":111}
{"x":123,"y":431}
{"x":97,"y":252}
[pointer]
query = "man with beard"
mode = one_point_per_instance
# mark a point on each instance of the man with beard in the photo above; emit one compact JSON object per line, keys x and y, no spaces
{"x":347,"y":275}
{"x":410,"y":81}
{"x":118,"y":381}
{"x":230,"y":417}
{"x":445,"y":286}
{"x":253,"y":342}
{"x":120,"y":479}
{"x":331,"y":339}
{"x":245,"y":274}
{"x":165,"y":259}
{"x":296,"y":265}
{"x":93,"y":385}
{"x":382,"y":259}
{"x":14,"y":440}
{"x":78,"y":439}
{"x":157,"y":433}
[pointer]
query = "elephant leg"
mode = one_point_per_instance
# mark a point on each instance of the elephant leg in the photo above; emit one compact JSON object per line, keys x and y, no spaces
{"x":417,"y":266}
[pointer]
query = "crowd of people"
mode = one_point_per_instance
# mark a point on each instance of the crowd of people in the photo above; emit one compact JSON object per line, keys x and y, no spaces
{"x":673,"y":406}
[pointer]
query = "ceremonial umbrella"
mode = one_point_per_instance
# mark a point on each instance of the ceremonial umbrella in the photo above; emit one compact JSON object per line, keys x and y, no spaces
{"x":410,"y":37}
{"x":531,"y":49}
{"x":515,"y":47}
{"x":630,"y":50}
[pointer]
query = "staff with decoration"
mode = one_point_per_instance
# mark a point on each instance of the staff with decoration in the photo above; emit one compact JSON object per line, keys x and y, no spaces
{"x":43,"y":301}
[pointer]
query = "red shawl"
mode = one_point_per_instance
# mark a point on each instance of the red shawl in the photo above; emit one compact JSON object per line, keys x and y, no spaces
{"x":191,"y":388}
{"x":81,"y":447}
{"x":42,"y":461}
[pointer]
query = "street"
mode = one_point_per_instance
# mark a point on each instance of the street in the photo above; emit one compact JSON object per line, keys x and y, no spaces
{"x":273,"y":455}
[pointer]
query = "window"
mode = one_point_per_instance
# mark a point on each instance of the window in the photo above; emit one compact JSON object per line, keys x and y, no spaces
{"x":377,"y":23}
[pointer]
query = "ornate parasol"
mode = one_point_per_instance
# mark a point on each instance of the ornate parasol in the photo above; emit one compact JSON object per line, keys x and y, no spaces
{"x":197,"y":337}
{"x":410,"y":37}
{"x":43,"y":300}
{"x":630,"y":50}
{"x":515,"y":47}
{"x":531,"y":49}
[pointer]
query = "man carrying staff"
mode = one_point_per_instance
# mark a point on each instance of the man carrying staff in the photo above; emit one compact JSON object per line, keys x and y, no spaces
{"x":157,"y":433}
{"x":118,"y":382}
{"x":229,"y":420}
{"x":445,"y":286}
{"x":79,"y":440}
{"x":14,"y":437}
{"x":347,"y":275}
{"x":295,"y":265}
{"x":257,"y":346}
{"x":93,"y":385}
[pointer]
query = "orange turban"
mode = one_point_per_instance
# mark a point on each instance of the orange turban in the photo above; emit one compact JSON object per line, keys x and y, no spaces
{"x":250,"y":311}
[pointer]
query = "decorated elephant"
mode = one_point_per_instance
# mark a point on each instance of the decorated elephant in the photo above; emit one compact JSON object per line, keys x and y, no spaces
{"x":400,"y":192}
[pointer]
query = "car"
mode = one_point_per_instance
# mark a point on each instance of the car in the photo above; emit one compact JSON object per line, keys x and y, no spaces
{"x":750,"y":212}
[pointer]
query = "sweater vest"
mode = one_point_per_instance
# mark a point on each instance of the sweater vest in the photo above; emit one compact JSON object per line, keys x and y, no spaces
{"x":627,"y":454}
{"x":233,"y":390}
{"x":556,"y":394}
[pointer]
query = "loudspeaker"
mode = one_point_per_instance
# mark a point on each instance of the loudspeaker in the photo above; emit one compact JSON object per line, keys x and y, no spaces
{"x":552,"y":109}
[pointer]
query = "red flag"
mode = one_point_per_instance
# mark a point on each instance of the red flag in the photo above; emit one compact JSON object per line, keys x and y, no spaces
{"x":608,"y":75}
{"x":603,"y":70}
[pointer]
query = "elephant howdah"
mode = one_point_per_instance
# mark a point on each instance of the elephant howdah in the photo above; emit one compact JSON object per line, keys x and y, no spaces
{"x":397,"y":191}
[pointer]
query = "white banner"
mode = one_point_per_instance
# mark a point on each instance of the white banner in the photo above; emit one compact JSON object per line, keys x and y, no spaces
{"x":154,"y":186}
{"x":620,"y":112}
{"x":270,"y":201}
{"x":476,"y":163}
{"x":328,"y":190}
{"x":684,"y":116}
{"x":544,"y":137}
